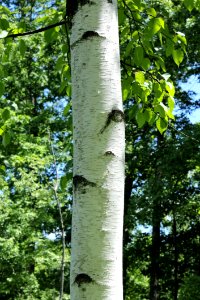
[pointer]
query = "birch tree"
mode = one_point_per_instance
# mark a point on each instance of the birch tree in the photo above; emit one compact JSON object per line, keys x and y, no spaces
{"x":98,"y":174}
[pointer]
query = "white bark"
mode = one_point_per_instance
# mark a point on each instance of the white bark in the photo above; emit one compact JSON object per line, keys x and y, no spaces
{"x":97,"y":221}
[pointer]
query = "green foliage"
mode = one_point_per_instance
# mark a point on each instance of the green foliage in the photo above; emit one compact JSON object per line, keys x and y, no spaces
{"x":191,"y":4}
{"x":145,"y":40}
{"x":30,"y":104}
{"x":158,"y":47}
{"x":190,"y":288}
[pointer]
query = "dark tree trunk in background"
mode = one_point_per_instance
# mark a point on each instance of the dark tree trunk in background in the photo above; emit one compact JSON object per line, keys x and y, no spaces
{"x":126,"y":237}
{"x":156,"y":191}
{"x":155,"y":253}
{"x":175,"y":292}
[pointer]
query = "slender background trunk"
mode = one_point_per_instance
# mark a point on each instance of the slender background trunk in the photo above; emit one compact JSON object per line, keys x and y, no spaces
{"x":126,"y":235}
{"x":175,"y":292}
{"x":157,"y":195}
{"x":98,"y":178}
{"x":155,"y":253}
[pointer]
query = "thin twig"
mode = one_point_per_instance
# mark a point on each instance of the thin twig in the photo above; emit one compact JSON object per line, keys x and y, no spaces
{"x":36,"y":30}
{"x":55,"y":189}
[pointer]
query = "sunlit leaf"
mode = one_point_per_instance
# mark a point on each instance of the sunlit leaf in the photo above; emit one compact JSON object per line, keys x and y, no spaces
{"x":139,"y":77}
{"x":161,"y":124}
{"x":178,"y":56}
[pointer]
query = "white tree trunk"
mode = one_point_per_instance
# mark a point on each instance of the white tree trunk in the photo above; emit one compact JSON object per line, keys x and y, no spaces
{"x":98,"y":124}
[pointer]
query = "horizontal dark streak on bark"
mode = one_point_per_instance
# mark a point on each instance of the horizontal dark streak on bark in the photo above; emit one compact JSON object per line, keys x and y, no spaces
{"x":86,"y":36}
{"x":89,"y":34}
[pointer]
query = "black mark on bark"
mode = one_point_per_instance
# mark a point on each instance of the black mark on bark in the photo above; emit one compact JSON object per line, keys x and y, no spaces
{"x":82,"y":278}
{"x":116,"y":116}
{"x":73,"y":5}
{"x":81,"y":182}
{"x":109,"y":153}
{"x":89,"y":34}
{"x":109,"y":1}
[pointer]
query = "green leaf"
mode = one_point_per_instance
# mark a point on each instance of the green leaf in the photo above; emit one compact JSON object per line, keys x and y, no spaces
{"x":69,"y":90}
{"x":66,"y":109}
{"x":135,"y":4}
{"x":65,"y":48}
{"x":125,"y":93}
{"x":50,"y":35}
{"x":4,"y":24}
{"x":145,"y":94}
{"x":63,"y":86}
{"x":148,"y":114}
{"x":5,"y":10}
{"x":2,"y":88}
{"x":6,"y":139}
{"x":160,"y":38}
{"x":22,"y":47}
{"x":129,"y":47}
{"x":1,"y":72}
{"x":66,"y":72}
{"x":171,"y":103}
{"x":161,"y":124}
{"x":137,"y":16}
{"x":60,"y":63}
{"x":178,"y":56}
{"x":155,"y":25}
{"x":21,"y":26}
{"x":137,"y":89}
{"x":140,"y":118}
{"x":151,"y":12}
{"x":160,"y":109}
{"x":189,"y":4}
{"x":3,"y":34}
{"x":121,"y":16}
{"x":181,"y":37}
{"x":6,"y":114}
{"x":138,"y":55}
{"x":63,"y":182}
{"x":2,"y":169}
{"x":126,"y":87}
{"x":160,"y":63}
{"x":159,"y":93}
{"x":168,"y":112}
{"x":169,"y":47}
{"x":170,"y":88}
{"x":132,"y":111}
{"x":145,"y":64}
{"x":139,"y":77}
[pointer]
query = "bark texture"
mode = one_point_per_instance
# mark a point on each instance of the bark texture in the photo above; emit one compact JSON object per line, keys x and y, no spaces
{"x":98,"y":124}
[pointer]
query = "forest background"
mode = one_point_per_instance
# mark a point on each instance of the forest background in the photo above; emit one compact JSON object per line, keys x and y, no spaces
{"x":159,"y":52}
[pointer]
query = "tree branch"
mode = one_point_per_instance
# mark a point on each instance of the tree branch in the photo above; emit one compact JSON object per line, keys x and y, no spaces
{"x":36,"y":30}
